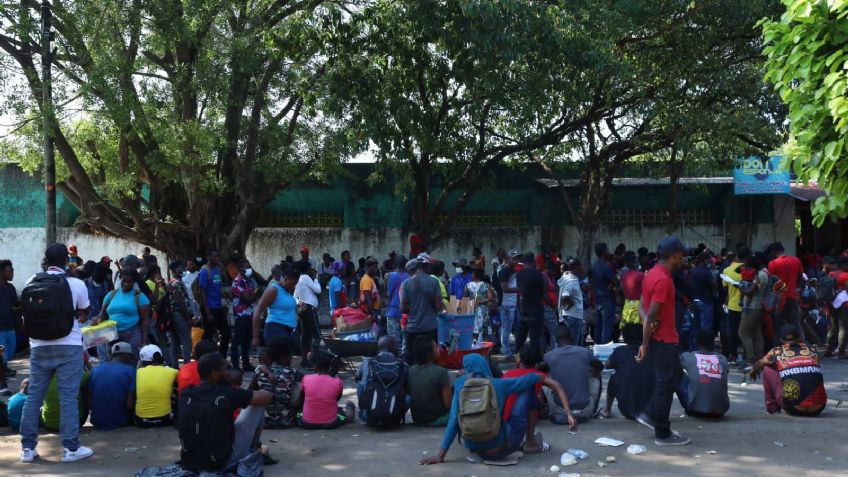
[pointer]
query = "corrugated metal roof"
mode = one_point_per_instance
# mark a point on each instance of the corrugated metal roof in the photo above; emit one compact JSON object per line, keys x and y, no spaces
{"x":806,"y":192}
{"x":643,"y":181}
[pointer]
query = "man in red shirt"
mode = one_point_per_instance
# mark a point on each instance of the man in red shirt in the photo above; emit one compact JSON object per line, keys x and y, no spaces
{"x":789,"y":271}
{"x":660,"y":341}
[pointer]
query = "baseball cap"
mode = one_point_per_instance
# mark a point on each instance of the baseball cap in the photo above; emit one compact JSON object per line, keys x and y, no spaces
{"x":148,"y":353}
{"x":670,"y":245}
{"x":72,"y":248}
{"x":424,"y":257}
{"x":56,"y":253}
{"x":304,"y":249}
{"x":338,"y":266}
{"x":411,"y":265}
{"x":121,"y":348}
{"x":513,"y":254}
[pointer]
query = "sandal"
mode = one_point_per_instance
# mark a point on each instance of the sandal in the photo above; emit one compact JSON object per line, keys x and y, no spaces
{"x":545,"y":446}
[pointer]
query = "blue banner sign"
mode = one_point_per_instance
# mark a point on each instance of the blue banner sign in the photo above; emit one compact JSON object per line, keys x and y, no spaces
{"x":756,"y":175}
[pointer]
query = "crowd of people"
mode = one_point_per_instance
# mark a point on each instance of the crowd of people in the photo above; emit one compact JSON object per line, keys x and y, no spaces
{"x":659,"y":314}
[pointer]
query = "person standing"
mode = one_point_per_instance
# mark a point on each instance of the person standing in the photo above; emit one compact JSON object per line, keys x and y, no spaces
{"x":394,"y":280}
{"x":421,"y":298}
{"x":703,"y":288}
{"x":659,"y":340}
{"x":603,"y":277}
{"x":9,"y":309}
{"x":730,"y":326}
{"x":210,"y":283}
{"x":245,"y":293}
{"x":179,"y":332}
{"x":306,"y":292}
{"x":189,"y":277}
{"x":279,"y":301}
{"x":509,"y":303}
{"x":571,"y":301}
{"x":750,"y":326}
{"x":790,"y":273}
{"x":336,"y":287}
{"x":534,"y":297}
{"x":60,"y":357}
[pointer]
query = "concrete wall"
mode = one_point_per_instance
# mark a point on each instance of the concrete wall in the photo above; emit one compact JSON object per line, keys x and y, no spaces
{"x":25,"y":246}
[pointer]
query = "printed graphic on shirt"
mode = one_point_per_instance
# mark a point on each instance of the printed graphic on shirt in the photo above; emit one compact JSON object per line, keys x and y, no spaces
{"x":708,"y":366}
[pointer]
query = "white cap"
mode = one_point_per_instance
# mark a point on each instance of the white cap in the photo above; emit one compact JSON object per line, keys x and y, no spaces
{"x":148,"y":352}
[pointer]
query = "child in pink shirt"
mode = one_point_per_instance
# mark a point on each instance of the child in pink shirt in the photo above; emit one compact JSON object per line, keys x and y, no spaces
{"x":320,"y":394}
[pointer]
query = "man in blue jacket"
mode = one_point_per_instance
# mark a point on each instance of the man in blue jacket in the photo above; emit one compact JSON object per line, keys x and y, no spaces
{"x":521,"y":426}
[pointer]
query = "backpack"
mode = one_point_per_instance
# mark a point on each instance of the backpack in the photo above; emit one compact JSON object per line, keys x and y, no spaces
{"x":827,"y":289}
{"x":205,"y":421}
{"x":771,"y":298}
{"x":383,"y":398}
{"x":479,"y":414}
{"x":48,"y":307}
{"x":164,"y":313}
{"x":195,"y":285}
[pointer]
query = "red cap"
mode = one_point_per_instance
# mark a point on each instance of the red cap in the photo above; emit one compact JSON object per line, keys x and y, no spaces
{"x":72,"y":248}
{"x":305,"y":249}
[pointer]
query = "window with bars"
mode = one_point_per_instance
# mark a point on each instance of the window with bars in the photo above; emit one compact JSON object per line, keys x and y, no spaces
{"x":507,"y":218}
{"x":625,"y":217}
{"x":303,"y":220}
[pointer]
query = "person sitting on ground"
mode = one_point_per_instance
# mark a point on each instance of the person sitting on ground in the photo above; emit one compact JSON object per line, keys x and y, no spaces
{"x":381,"y":386}
{"x":704,"y":386}
{"x":792,"y":377}
{"x":526,"y":362}
{"x":15,"y":406}
{"x":632,"y":383}
{"x":320,"y":394}
{"x":578,"y":371}
{"x":492,"y":439}
{"x":111,"y":389}
{"x":188,"y":375}
{"x":154,"y":385}
{"x":51,"y":409}
{"x":429,"y":385}
{"x":210,"y":440}
{"x":278,"y":377}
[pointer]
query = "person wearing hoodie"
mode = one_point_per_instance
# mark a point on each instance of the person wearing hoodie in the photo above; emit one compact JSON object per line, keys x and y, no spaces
{"x":518,"y":430}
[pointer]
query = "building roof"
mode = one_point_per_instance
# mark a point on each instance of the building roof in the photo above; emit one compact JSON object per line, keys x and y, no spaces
{"x":645,"y":181}
{"x":806,"y":192}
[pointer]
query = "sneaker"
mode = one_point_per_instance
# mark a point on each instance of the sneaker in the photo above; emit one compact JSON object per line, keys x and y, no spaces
{"x":646,"y":421}
{"x":675,"y":439}
{"x":29,"y":455}
{"x":79,"y":454}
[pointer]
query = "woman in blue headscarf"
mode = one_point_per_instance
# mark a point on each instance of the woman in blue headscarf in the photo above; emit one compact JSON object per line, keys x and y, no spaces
{"x":521,"y":426}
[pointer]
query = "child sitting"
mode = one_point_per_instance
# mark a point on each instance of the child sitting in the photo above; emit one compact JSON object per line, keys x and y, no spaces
{"x":320,"y":395}
{"x":275,"y":375}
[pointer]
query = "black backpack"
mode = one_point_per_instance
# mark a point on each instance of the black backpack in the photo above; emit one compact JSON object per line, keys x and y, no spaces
{"x":384,"y":399}
{"x":827,"y":289}
{"x":205,"y":419}
{"x":48,"y":307}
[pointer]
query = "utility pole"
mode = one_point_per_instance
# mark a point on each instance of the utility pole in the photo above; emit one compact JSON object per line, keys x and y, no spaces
{"x":46,"y":116}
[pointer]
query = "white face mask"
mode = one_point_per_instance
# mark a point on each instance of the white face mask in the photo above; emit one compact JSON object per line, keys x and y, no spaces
{"x":459,"y":270}
{"x":248,"y":272}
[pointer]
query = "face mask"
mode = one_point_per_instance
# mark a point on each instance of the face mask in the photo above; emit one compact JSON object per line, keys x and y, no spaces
{"x":458,"y":270}
{"x":198,"y":259}
{"x":248,"y":272}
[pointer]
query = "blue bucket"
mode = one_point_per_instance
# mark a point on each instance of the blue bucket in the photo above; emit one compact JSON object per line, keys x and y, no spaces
{"x":462,"y":324}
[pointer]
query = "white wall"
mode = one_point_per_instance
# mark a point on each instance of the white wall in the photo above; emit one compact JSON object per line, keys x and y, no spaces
{"x":25,"y":246}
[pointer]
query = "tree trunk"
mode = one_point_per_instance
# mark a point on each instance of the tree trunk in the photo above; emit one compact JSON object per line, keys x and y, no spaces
{"x":674,"y":170}
{"x":587,"y":235}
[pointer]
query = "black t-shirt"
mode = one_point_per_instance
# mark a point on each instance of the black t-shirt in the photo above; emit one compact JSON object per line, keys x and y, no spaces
{"x":635,"y":380}
{"x":8,"y":299}
{"x":531,"y":287}
{"x":236,"y":398}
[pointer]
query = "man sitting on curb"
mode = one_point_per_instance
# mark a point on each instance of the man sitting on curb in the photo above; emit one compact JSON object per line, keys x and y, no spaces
{"x":577,"y":370}
{"x":704,"y":387}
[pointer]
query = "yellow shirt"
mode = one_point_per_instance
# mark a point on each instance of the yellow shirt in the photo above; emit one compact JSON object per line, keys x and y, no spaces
{"x":367,"y":285}
{"x":153,"y":388}
{"x":734,"y":294}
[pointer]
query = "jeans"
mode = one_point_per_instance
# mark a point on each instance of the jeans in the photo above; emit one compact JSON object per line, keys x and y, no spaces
{"x":730,"y":329}
{"x":578,"y":329}
{"x":396,"y":332}
{"x":248,"y":430}
{"x":751,"y":334}
{"x":838,"y":333}
{"x":242,"y":334}
{"x":310,"y":335}
{"x":180,"y":337}
{"x":551,"y":323}
{"x":508,"y":314}
{"x":217,"y":319}
{"x":275,"y":329}
{"x":667,"y":375}
{"x":703,"y":312}
{"x":557,"y":411}
{"x":132,"y":337}
{"x":606,"y":320}
{"x":10,"y":341}
{"x":529,"y":325}
{"x":66,"y":363}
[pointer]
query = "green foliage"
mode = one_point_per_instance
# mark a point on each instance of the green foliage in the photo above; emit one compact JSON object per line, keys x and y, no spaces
{"x":807,"y":63}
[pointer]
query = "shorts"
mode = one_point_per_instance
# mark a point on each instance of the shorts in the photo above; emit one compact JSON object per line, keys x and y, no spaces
{"x":630,"y":313}
{"x":154,"y":421}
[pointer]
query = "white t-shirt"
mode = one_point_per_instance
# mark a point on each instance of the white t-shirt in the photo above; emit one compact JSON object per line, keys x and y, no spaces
{"x":188,"y":279}
{"x":840,"y":300}
{"x":79,"y":293}
{"x":307,"y":290}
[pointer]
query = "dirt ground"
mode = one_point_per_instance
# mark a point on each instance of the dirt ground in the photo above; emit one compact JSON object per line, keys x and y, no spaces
{"x":746,"y":442}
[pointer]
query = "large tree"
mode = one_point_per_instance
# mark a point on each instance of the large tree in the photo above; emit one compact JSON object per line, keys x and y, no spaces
{"x":443,"y":91}
{"x":176,"y":120}
{"x":685,"y":84}
{"x":807,"y":50}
